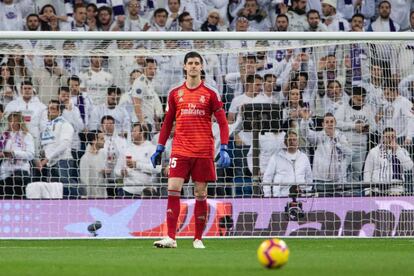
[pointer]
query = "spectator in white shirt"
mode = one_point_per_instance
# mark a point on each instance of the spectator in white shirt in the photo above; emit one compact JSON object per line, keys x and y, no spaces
{"x":56,"y":163}
{"x":72,"y":115}
{"x":332,"y":154}
{"x":159,"y":20}
{"x":91,"y":16}
{"x":384,"y":23}
{"x":106,"y":21}
{"x":245,"y":98}
{"x":95,"y":81}
{"x":34,"y":112}
{"x":32,"y":22}
{"x":314,"y":22}
{"x":296,"y":15}
{"x":133,"y":21}
{"x":147,"y":105}
{"x":112,"y":108}
{"x":114,"y":146}
{"x":16,"y":152}
{"x":92,"y":166}
{"x":287,"y":167}
{"x":252,"y":89}
{"x":78,"y":22}
{"x":334,"y":20}
{"x":396,"y":112}
{"x":258,"y":18}
{"x":387,"y":164}
{"x":281,"y":23}
{"x":357,"y":23}
{"x":12,"y":13}
{"x":134,"y":165}
{"x":174,"y":9}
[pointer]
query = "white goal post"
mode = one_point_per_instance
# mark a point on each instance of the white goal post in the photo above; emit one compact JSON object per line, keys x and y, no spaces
{"x":345,"y":99}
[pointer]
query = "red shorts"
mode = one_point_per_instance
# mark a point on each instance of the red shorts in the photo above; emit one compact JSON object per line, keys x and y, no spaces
{"x":200,"y":169}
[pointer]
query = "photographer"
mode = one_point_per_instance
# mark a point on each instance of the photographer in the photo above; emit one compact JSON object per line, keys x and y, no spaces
{"x":288,"y":166}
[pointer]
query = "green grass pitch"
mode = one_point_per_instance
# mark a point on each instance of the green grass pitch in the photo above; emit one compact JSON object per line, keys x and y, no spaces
{"x":221,"y":257}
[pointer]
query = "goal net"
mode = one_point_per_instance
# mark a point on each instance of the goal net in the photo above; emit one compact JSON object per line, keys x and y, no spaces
{"x":320,"y":137}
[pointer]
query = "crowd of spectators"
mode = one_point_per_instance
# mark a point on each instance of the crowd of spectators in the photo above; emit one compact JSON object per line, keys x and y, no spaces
{"x":92,"y":122}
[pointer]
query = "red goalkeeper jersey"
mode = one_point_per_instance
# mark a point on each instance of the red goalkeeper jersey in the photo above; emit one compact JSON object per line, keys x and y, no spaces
{"x":193,"y":110}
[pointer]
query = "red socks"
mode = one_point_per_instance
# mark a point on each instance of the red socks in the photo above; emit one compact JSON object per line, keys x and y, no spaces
{"x":200,"y":213}
{"x":173,"y":211}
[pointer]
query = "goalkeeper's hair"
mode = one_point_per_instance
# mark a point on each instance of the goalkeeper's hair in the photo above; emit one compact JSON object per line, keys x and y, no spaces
{"x":193,"y":55}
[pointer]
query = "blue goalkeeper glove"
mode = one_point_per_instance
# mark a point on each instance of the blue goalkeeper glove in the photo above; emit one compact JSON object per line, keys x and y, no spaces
{"x":156,"y":157}
{"x":224,"y":160}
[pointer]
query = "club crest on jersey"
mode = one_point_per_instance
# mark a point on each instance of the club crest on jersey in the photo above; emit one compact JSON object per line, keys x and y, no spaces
{"x":202,"y":99}
{"x":180,"y":95}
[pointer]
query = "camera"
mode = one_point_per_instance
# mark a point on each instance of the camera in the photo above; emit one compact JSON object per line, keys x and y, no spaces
{"x":293,"y":209}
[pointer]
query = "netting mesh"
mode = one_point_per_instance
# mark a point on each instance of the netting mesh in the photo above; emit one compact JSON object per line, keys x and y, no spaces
{"x":319,"y":132}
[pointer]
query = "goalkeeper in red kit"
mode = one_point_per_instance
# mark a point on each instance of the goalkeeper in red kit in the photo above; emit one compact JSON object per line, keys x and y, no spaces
{"x":191,"y":105}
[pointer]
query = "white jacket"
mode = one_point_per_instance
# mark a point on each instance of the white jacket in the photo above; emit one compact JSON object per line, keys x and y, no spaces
{"x":282,"y":169}
{"x":56,"y":140}
{"x":22,"y":146}
{"x":331,"y":157}
{"x":379,"y":165}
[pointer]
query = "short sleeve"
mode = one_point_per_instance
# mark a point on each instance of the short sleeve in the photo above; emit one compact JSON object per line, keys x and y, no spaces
{"x":138,"y":88}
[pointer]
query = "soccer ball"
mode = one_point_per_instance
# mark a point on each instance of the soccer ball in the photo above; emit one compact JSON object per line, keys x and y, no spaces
{"x":273,"y":253}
